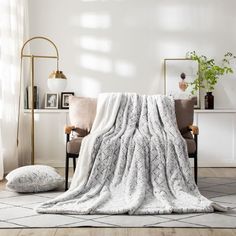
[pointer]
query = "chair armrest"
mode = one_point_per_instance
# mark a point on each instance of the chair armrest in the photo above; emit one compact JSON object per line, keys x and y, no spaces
{"x":68,"y":129}
{"x":194,"y":129}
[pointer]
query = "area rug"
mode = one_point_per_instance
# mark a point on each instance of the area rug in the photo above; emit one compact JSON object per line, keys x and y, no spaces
{"x":17,"y":211}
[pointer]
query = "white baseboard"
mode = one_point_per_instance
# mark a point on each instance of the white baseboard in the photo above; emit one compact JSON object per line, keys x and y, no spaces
{"x":212,"y":165}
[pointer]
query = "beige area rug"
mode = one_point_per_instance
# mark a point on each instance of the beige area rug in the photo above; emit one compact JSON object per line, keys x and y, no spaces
{"x":17,"y":211}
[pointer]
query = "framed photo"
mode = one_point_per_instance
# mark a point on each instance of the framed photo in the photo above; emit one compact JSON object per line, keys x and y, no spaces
{"x":179,"y":73}
{"x":51,"y":100}
{"x":65,"y":99}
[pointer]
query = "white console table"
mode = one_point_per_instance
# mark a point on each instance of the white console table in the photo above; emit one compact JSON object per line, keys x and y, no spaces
{"x":217,"y":137}
{"x":50,"y":140}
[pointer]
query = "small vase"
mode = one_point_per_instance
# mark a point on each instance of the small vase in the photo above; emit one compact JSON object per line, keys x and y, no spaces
{"x":209,"y":101}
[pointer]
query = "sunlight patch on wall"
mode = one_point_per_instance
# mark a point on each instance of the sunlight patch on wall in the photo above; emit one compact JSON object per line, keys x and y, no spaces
{"x":36,"y":117}
{"x":173,"y":18}
{"x":171,"y":49}
{"x":0,"y":99}
{"x":94,"y":0}
{"x":95,"y":44}
{"x":102,"y":0}
{"x":233,"y":66}
{"x":89,"y":87}
{"x":124,"y":68}
{"x":94,"y":21}
{"x":96,"y":63}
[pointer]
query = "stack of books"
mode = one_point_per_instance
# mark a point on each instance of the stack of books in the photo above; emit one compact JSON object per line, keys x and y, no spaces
{"x":28,"y":100}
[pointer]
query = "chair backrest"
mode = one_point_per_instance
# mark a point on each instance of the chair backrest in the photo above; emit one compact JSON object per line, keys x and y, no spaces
{"x":184,"y":110}
{"x":82,"y":111}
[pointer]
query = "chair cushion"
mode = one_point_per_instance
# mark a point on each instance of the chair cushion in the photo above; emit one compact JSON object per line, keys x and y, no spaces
{"x":191,"y":145}
{"x":184,"y":109}
{"x":73,"y":146}
{"x":82,"y":112}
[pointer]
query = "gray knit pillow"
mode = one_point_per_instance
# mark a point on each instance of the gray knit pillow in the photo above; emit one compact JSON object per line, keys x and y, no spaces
{"x":33,"y":178}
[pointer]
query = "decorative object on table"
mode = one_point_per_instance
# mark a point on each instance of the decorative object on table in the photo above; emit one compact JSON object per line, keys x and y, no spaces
{"x":209,"y":73}
{"x":56,"y":81}
{"x":65,"y":99}
{"x":29,"y":98}
{"x":37,"y":178}
{"x":179,"y":74}
{"x":51,"y":101}
{"x":209,"y":100}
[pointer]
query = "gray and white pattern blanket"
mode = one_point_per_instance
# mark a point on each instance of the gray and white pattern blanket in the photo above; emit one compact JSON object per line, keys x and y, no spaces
{"x":134,"y":161}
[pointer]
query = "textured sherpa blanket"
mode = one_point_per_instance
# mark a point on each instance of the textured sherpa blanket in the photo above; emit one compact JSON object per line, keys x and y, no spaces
{"x":134,"y":161}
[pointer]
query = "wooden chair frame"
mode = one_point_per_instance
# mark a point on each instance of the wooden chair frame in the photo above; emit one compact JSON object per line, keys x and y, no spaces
{"x":69,"y":129}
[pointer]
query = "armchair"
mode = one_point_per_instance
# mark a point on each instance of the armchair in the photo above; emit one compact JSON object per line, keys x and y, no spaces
{"x":82,"y":113}
{"x":72,"y":149}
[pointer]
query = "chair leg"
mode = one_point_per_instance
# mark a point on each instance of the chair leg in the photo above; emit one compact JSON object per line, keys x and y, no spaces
{"x":66,"y":172}
{"x":74,"y":163}
{"x":195,"y":169}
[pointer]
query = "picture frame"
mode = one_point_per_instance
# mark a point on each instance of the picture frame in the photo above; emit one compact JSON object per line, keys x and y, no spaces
{"x":65,"y":99}
{"x":51,"y":101}
{"x":179,"y":73}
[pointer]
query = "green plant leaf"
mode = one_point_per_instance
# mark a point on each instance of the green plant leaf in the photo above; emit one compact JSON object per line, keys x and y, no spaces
{"x":209,"y":73}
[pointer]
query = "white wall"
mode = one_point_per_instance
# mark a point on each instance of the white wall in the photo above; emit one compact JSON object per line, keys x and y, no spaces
{"x":119,"y":45}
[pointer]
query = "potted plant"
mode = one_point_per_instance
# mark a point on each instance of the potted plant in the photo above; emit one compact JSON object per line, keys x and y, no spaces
{"x":208,"y":75}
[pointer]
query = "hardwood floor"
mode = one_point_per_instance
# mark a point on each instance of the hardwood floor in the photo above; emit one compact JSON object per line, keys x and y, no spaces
{"x":203,"y":172}
{"x":118,"y":232}
{"x":217,"y":172}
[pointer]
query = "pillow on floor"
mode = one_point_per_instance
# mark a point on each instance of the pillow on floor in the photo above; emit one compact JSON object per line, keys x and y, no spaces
{"x":33,"y":178}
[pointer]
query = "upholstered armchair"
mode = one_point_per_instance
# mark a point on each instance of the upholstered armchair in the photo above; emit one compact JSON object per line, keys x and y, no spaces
{"x":82,"y":113}
{"x":184,"y":110}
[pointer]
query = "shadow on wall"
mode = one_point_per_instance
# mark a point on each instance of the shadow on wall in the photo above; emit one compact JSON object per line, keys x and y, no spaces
{"x":113,"y":47}
{"x":120,"y":45}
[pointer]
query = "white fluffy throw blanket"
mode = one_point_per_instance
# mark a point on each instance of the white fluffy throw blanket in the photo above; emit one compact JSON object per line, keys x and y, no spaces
{"x":134,"y":161}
